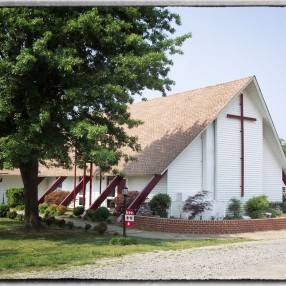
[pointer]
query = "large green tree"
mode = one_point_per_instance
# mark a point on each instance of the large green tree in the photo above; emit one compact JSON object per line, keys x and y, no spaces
{"x":66,"y":78}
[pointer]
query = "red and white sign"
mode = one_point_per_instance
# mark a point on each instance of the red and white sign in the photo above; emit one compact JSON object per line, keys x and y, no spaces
{"x":129,"y":218}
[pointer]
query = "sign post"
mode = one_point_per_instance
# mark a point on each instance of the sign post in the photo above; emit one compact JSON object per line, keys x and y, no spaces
{"x":129,"y":218}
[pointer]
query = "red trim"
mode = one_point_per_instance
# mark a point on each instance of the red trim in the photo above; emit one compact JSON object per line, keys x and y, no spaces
{"x":117,"y":179}
{"x":68,"y":199}
{"x":145,"y":192}
{"x":40,"y":179}
{"x":284,"y":177}
{"x":84,"y":185}
{"x":241,"y":117}
{"x":52,"y":188}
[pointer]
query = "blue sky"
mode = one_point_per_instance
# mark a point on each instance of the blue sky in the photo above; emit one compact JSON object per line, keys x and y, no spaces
{"x":231,"y":43}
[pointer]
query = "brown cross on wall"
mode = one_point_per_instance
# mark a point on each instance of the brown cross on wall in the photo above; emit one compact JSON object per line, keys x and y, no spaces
{"x":241,"y":117}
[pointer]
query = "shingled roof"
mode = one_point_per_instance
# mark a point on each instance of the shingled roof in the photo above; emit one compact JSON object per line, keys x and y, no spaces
{"x":171,"y":123}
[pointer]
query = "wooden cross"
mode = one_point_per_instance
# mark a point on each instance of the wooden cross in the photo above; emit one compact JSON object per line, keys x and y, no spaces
{"x":241,"y":117}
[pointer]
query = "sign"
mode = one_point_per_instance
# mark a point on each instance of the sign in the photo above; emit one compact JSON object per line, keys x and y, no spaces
{"x":129,"y":218}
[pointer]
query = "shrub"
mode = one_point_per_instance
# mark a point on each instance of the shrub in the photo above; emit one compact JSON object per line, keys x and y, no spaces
{"x":20,"y":207}
{"x":49,"y":220}
{"x":87,"y":226}
{"x":53,"y":207}
{"x":4,"y":208}
{"x":90,"y":214}
{"x":283,"y":207}
{"x":121,"y":240}
{"x":11,"y":214}
{"x":61,"y":222}
{"x":20,"y":217}
{"x":197,"y":204}
{"x":15,"y":197}
{"x":101,"y":214}
{"x":78,"y":211}
{"x":159,"y":204}
{"x":257,"y":214}
{"x":275,"y":212}
{"x":101,"y":228}
{"x":42,"y":208}
{"x":117,"y":202}
{"x":256,"y":204}
{"x":70,"y":225}
{"x":61,"y":209}
{"x":55,"y":197}
{"x":235,"y":208}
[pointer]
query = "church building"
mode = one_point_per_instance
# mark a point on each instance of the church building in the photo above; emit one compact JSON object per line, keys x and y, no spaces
{"x":220,"y":139}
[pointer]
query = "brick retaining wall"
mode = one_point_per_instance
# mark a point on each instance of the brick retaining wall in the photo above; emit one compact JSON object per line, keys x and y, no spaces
{"x":208,"y":226}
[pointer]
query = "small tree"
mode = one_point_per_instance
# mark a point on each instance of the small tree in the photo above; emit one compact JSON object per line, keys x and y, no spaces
{"x":197,"y":204}
{"x":159,"y":204}
{"x":283,"y":144}
{"x":235,"y":208}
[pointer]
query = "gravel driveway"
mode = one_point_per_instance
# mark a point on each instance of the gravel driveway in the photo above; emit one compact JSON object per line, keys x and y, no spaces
{"x":263,"y":259}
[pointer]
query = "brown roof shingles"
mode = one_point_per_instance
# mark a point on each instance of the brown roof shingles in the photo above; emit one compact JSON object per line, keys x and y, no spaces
{"x":170,"y":124}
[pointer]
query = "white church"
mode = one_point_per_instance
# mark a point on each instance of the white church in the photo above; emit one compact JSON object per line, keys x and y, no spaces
{"x":219,"y":138}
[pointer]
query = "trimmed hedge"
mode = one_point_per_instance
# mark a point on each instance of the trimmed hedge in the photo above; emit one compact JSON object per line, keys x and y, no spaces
{"x":15,"y":197}
{"x":4,"y":209}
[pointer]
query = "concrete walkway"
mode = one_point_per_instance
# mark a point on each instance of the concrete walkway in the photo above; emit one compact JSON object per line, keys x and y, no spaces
{"x":113,"y":228}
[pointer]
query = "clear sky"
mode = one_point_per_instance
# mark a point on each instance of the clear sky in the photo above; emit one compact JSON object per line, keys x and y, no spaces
{"x":231,"y":43}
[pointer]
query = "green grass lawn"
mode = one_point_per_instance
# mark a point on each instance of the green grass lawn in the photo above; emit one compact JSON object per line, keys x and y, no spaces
{"x":54,"y":248}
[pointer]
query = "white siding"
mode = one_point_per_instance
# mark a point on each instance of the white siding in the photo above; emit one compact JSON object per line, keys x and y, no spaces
{"x":272,"y":175}
{"x":229,"y":152}
{"x":185,"y":172}
{"x":139,"y":182}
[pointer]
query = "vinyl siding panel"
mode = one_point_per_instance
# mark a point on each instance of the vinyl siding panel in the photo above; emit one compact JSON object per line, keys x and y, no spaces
{"x":185,"y":172}
{"x":139,"y":182}
{"x":272,"y":181}
{"x":229,"y":152}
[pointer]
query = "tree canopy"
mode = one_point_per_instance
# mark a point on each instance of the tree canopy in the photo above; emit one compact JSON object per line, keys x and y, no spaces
{"x":67,"y":76}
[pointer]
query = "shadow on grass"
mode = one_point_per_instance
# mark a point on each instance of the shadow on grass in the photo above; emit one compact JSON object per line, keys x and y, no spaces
{"x":14,"y":230}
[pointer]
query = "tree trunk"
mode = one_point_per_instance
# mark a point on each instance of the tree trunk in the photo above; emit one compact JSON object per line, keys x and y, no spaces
{"x":29,"y":173}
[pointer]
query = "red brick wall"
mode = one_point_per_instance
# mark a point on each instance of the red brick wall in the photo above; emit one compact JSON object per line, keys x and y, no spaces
{"x":208,"y":226}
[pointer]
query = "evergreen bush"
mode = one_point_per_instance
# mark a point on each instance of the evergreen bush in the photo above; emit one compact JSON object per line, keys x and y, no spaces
{"x":159,"y":204}
{"x":78,"y":211}
{"x":235,"y":208}
{"x":4,"y":208}
{"x":11,"y":214}
{"x":101,"y":214}
{"x":256,"y":206}
{"x":101,"y":228}
{"x":15,"y":197}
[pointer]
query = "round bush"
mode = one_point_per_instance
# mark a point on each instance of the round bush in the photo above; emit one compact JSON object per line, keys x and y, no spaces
{"x":101,"y":214}
{"x":15,"y":197}
{"x":11,"y":215}
{"x":159,"y":204}
{"x":256,"y":204}
{"x":77,"y":211}
{"x":4,"y":208}
{"x":101,"y":228}
{"x":42,"y":208}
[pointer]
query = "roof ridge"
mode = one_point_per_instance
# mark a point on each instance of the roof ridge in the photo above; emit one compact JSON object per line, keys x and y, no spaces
{"x":192,"y":90}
